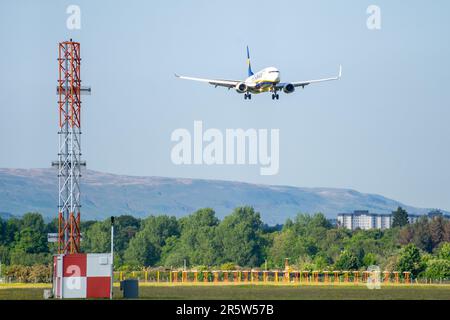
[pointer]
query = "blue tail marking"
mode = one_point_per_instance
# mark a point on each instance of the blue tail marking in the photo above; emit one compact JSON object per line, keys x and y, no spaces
{"x":250,"y":72}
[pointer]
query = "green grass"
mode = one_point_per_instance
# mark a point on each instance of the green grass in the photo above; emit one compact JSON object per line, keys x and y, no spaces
{"x":260,"y":292}
{"x":257,"y":292}
{"x":24,"y":291}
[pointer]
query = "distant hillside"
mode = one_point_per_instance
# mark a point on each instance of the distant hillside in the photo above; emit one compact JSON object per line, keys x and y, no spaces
{"x":103,"y":195}
{"x":6,"y":215}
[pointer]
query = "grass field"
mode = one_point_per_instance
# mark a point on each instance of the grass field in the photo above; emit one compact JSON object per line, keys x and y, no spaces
{"x":256,"y":292}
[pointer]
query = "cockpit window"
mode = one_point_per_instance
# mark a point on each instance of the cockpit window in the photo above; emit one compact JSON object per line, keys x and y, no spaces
{"x":274,"y":71}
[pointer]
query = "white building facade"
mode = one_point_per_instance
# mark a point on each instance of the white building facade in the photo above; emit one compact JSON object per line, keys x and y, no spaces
{"x":365,"y":220}
{"x":413,"y":218}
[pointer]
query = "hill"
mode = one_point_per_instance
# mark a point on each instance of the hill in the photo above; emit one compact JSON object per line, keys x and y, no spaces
{"x":104,"y":194}
{"x":5,"y":215}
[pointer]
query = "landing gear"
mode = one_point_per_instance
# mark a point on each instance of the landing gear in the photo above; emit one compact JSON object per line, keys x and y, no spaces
{"x":248,"y":96}
{"x":275,"y":95}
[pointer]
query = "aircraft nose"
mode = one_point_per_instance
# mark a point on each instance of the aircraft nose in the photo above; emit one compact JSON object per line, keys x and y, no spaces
{"x":277,"y":76}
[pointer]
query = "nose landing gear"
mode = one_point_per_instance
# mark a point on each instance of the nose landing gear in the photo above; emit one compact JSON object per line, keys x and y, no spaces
{"x":275,"y":95}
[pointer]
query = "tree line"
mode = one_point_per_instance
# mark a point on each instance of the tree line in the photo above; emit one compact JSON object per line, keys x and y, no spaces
{"x":241,"y":239}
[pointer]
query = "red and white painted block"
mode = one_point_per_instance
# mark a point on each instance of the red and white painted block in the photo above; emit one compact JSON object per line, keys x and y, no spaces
{"x":82,"y":275}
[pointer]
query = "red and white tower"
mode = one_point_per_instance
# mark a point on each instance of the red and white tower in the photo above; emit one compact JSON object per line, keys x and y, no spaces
{"x":69,"y":162}
{"x":75,"y":274}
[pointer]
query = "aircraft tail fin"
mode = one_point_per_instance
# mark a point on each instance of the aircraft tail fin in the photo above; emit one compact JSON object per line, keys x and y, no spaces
{"x":250,"y":72}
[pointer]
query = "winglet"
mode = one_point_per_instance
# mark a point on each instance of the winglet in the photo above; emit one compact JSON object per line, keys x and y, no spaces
{"x":340,"y":71}
{"x":177,"y":75}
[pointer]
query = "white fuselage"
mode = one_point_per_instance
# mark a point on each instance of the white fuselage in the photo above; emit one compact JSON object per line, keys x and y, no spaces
{"x":263,"y":80}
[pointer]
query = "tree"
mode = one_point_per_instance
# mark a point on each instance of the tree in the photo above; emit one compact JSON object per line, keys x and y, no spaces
{"x":437,"y":230}
{"x":4,"y":254}
{"x":32,"y":237}
{"x":239,"y":237}
{"x":422,"y":236}
{"x":97,"y":238}
{"x":13,"y":226}
{"x":125,"y":228}
{"x":369,"y":259}
{"x":34,"y":221}
{"x":309,"y":241}
{"x":25,"y":240}
{"x":410,"y":260}
{"x":288,"y":224}
{"x":314,"y":226}
{"x":52,"y":226}
{"x":438,"y":269}
{"x":444,"y":251}
{"x":399,"y":218}
{"x":159,"y":228}
{"x":435,"y":213}
{"x":333,"y":243}
{"x":2,"y":231}
{"x":141,"y":252}
{"x":321,"y":262}
{"x":447,"y":231}
{"x":145,"y":247}
{"x":287,"y":244}
{"x":173,"y":253}
{"x":20,"y":257}
{"x":197,"y":240}
{"x":406,"y":235}
{"x":347,"y":261}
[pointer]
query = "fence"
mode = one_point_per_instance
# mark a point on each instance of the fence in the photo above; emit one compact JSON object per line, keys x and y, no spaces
{"x":281,"y":277}
{"x":261,"y":277}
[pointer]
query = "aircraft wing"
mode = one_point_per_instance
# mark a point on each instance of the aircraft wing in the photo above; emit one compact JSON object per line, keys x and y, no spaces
{"x":307,"y":82}
{"x":214,"y":82}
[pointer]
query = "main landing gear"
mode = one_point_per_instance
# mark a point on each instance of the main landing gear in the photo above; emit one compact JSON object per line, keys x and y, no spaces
{"x":248,"y":96}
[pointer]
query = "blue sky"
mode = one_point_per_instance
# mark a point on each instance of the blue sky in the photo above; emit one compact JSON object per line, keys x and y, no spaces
{"x":384,"y":128}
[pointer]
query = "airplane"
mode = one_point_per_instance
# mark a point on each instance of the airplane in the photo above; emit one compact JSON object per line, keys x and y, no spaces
{"x":266,"y":80}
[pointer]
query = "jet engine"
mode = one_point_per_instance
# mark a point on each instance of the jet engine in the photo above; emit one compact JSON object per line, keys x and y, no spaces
{"x":241,"y":87}
{"x":288,"y":88}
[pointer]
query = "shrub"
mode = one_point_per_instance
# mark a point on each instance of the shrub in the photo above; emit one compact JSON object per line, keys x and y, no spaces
{"x":228,"y":266}
{"x":438,"y":269}
{"x":25,"y":274}
{"x":18,"y":273}
{"x":40,"y":273}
